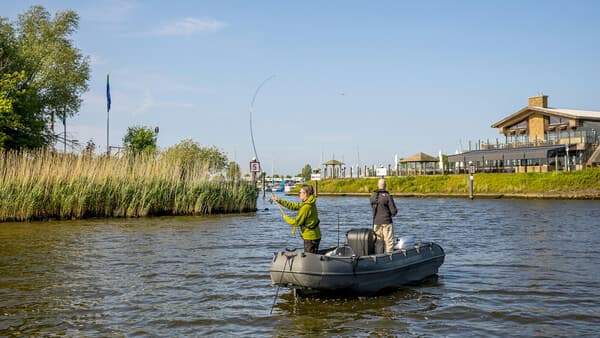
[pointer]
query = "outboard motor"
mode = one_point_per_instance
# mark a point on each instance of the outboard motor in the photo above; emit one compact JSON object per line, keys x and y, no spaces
{"x":343,"y":251}
{"x":404,"y":243}
{"x":362,"y":241}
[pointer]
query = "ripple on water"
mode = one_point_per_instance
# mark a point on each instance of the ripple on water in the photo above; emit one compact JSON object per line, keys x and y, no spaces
{"x":510,"y":265}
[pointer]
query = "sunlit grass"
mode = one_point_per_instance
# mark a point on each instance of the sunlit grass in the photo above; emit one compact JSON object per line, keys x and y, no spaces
{"x":584,"y":182}
{"x":45,"y":185}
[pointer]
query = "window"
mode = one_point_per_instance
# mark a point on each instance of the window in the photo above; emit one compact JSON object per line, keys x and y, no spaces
{"x":520,"y":125}
{"x":555,"y":120}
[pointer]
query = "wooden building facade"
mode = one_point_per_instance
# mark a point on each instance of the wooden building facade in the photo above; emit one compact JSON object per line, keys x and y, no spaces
{"x":537,"y":138}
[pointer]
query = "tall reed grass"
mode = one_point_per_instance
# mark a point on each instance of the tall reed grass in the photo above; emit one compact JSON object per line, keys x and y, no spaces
{"x":45,"y":185}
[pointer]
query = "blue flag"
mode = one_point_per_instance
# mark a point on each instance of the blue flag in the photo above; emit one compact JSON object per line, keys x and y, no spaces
{"x":107,"y":94}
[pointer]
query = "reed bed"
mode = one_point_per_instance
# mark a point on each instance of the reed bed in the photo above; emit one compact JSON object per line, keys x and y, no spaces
{"x":45,"y":185}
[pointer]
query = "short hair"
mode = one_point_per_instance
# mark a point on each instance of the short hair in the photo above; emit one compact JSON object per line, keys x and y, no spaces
{"x":308,"y":189}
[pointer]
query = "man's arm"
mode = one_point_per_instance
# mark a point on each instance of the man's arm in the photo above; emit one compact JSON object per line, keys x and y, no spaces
{"x":374,"y":201}
{"x":393,"y":209}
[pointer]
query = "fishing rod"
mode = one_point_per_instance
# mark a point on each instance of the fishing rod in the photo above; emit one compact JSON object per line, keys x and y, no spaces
{"x":252,"y":110}
{"x":251,"y":132}
{"x":280,"y":208}
{"x":283,"y":213}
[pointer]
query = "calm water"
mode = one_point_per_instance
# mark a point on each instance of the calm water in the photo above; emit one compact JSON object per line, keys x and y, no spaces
{"x":513,"y":268}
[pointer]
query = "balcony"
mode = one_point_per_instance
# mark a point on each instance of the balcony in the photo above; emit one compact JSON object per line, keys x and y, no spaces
{"x":580,"y":138}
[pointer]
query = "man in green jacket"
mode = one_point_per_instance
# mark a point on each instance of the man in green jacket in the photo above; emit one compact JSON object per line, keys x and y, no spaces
{"x":307,"y":218}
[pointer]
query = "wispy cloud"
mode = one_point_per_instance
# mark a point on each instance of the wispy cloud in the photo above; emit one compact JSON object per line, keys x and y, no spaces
{"x":190,"y":26}
{"x":109,"y":11}
{"x":97,"y":60}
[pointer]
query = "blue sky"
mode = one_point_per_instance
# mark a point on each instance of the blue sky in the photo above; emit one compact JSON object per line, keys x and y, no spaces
{"x":355,"y":81}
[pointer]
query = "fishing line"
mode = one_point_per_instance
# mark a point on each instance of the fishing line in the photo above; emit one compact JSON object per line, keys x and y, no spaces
{"x":283,"y":214}
{"x":279,"y":284}
{"x":252,"y":110}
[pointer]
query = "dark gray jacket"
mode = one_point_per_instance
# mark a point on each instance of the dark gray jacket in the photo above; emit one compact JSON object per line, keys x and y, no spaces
{"x":383,"y":207}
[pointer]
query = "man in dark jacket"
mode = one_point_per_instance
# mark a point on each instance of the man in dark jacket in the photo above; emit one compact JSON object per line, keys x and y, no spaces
{"x":384,"y":209}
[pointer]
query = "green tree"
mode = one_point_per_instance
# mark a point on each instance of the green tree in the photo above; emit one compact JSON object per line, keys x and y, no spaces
{"x":191,"y":156}
{"x":10,"y":122}
{"x":138,"y":139}
{"x":21,"y":124}
{"x":55,"y":68}
{"x":234,"y":172}
{"x":8,"y":47}
{"x":42,"y":76}
{"x":306,"y":172}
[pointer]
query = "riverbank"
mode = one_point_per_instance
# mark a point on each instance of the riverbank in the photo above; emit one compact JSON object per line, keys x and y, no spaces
{"x":46,"y":185}
{"x":556,"y":185}
{"x":582,"y":196}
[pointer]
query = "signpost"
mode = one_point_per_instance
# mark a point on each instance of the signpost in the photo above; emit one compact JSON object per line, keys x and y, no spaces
{"x":381,"y":171}
{"x":316,"y":177}
{"x":471,"y":172}
{"x":254,"y":168}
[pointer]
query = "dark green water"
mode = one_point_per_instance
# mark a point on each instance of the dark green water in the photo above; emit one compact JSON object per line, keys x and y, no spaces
{"x":513,"y":268}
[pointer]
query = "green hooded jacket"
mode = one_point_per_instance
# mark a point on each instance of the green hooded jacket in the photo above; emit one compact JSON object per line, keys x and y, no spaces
{"x":307,"y":218}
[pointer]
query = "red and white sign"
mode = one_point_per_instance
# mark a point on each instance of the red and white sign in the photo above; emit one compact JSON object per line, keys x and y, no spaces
{"x":315,"y":177}
{"x":254,"y":166}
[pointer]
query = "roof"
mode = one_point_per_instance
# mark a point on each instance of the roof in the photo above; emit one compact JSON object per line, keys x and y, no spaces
{"x":333,"y":162}
{"x":419,"y":157}
{"x":568,"y":113}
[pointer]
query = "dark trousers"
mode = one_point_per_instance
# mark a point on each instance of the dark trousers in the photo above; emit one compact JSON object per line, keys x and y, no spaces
{"x":311,"y":246}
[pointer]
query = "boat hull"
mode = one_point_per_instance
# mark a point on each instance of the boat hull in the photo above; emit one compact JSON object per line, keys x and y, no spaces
{"x":366,"y":275}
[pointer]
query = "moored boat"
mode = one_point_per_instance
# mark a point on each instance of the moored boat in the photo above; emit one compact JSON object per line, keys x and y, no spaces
{"x":354,"y":268}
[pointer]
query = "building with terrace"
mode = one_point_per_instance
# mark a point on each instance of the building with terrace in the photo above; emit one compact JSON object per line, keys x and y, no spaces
{"x":537,"y":138}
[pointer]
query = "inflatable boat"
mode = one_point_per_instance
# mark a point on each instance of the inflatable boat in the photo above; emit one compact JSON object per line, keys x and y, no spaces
{"x":354,"y":268}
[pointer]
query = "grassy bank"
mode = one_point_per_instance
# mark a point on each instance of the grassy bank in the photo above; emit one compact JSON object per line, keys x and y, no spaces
{"x":45,"y":185}
{"x":580,"y":184}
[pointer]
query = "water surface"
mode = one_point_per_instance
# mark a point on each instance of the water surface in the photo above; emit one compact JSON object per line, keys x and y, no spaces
{"x":513,"y":268}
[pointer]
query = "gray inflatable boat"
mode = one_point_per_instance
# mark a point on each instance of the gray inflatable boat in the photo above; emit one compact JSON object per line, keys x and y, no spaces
{"x":354,"y":268}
